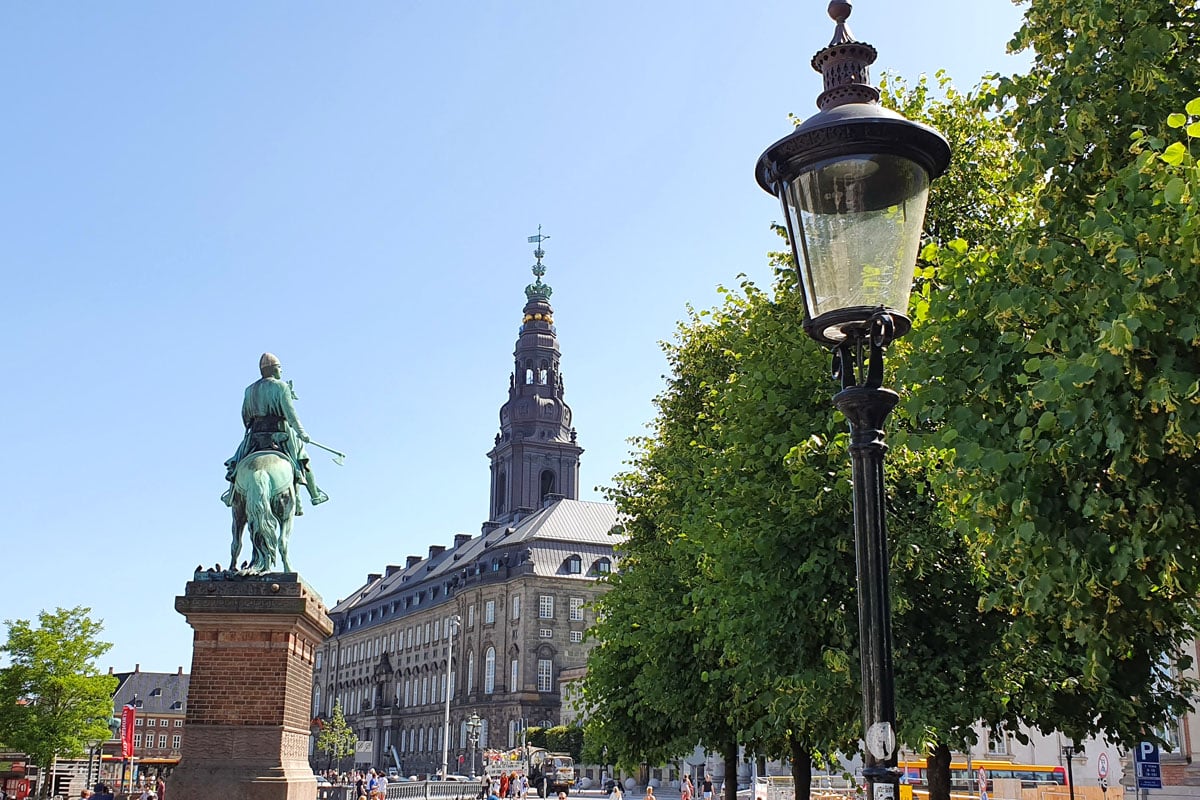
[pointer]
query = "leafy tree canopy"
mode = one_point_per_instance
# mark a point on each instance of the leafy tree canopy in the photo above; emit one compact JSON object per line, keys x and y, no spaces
{"x":53,"y":700}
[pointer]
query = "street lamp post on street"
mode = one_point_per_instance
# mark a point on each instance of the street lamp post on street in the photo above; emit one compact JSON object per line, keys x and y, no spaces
{"x":1069,"y":751}
{"x":474,"y":723}
{"x":853,"y":180}
{"x":454,"y":623}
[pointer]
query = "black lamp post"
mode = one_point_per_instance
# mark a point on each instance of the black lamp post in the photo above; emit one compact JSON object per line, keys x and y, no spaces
{"x":853,"y":180}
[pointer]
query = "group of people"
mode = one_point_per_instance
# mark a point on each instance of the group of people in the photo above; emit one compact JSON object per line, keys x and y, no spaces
{"x":150,"y":789}
{"x":687,"y":789}
{"x":508,"y":785}
{"x":372,"y":785}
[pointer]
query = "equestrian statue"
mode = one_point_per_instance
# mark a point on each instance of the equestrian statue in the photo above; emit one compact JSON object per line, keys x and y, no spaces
{"x":267,"y":470}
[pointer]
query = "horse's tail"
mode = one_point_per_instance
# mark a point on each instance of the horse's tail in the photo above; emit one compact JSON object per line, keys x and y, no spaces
{"x":258,"y":508}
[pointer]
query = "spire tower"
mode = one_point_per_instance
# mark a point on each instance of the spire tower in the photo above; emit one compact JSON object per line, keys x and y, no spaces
{"x":535,"y":459}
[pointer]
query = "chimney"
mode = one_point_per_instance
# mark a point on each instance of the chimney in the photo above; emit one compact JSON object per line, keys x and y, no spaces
{"x":391,"y":570}
{"x":373,"y":576}
{"x":110,"y":670}
{"x":436,"y":550}
{"x":180,"y":672}
{"x":461,"y":538}
{"x":137,"y":668}
{"x":412,"y":560}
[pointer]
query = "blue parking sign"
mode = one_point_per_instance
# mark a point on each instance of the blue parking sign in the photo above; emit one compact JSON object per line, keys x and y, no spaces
{"x":1146,"y":766}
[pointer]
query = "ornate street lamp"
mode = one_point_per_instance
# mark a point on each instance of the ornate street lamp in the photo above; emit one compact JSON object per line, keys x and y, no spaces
{"x":853,"y":180}
{"x":474,"y":723}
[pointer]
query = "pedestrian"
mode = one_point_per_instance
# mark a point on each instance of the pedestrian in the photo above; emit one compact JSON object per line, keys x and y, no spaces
{"x":649,"y":794}
{"x":686,"y":790}
{"x":102,"y":792}
{"x":160,"y":786}
{"x":524,"y":787}
{"x":706,"y":787}
{"x":504,"y":784}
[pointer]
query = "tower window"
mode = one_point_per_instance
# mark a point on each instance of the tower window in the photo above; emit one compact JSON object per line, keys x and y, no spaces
{"x":501,"y":492}
{"x":548,"y":483}
{"x":528,"y":376}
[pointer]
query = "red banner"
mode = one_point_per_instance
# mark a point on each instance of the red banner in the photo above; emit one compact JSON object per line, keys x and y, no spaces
{"x":127,"y":715}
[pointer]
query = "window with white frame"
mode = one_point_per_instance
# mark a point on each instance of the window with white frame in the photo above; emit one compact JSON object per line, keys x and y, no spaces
{"x":176,"y":740}
{"x":471,"y":616}
{"x":425,"y":690}
{"x":576,"y":637}
{"x":545,"y":633}
{"x":483,"y":733}
{"x":137,"y":740}
{"x":489,"y":671}
{"x":470,"y":673}
{"x":162,"y":741}
{"x":577,"y":609}
{"x":318,"y":659}
{"x":546,"y":606}
{"x":489,"y":612}
{"x":516,"y":606}
{"x":545,"y":675}
{"x":512,"y":676}
{"x":178,"y":723}
{"x":997,"y":741}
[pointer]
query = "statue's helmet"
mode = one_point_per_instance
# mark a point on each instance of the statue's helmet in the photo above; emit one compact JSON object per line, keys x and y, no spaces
{"x":268,"y":364}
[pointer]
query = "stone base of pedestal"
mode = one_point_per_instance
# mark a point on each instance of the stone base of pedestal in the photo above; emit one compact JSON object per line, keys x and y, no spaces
{"x":249,"y":695}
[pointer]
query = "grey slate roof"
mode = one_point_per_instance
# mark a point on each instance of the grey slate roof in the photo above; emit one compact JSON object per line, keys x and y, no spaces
{"x":159,"y":692}
{"x":547,"y":536}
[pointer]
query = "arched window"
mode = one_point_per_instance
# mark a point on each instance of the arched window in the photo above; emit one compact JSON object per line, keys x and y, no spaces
{"x":548,"y":483}
{"x":489,"y":671}
{"x":470,"y":671}
{"x":604,"y":566}
{"x":574,"y":565}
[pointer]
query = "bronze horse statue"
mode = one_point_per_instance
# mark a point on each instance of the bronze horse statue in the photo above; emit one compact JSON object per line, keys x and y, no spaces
{"x":264,"y":497}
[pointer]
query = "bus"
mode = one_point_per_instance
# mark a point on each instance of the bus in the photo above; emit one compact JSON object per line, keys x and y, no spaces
{"x":963,"y":779}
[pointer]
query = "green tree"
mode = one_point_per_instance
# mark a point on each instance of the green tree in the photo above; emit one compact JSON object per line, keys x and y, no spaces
{"x":566,"y":739}
{"x":337,"y":740}
{"x":1058,"y":362}
{"x":53,"y":701}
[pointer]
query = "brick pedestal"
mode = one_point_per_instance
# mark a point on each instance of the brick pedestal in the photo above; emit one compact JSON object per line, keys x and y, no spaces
{"x":250,"y":692}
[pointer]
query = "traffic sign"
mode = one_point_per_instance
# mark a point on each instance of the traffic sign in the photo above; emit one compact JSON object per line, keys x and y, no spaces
{"x":1146,"y":766}
{"x":1102,"y":766}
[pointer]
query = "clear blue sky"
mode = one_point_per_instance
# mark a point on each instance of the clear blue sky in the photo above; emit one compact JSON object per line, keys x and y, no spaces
{"x":350,"y":186}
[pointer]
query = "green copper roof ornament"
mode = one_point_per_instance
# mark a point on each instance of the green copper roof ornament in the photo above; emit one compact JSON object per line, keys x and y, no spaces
{"x":538,"y":290}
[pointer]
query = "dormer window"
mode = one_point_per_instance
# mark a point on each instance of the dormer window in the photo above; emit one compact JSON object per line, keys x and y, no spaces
{"x":574,"y":565}
{"x":495,"y":565}
{"x":603,"y":566}
{"x":156,"y":692}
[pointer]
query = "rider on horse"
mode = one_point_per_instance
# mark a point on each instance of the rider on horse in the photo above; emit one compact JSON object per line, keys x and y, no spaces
{"x":271,"y":424}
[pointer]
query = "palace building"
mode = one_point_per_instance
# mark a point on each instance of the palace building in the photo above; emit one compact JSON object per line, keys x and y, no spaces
{"x":501,"y":615}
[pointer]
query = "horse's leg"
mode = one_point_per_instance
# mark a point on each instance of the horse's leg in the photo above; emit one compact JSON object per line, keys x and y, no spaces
{"x":285,"y":512}
{"x":239,"y":524}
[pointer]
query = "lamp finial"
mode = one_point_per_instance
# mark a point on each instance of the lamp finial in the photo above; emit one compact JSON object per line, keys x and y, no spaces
{"x":845,"y":63}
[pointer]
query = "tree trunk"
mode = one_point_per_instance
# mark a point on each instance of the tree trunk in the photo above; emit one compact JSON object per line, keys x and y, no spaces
{"x":937,"y":772}
{"x":801,"y":769}
{"x":729,"y":754}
